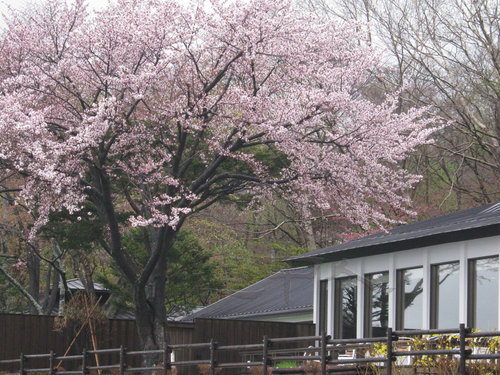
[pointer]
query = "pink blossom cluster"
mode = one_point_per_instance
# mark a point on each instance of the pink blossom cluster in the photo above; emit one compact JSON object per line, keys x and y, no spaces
{"x":163,"y":109}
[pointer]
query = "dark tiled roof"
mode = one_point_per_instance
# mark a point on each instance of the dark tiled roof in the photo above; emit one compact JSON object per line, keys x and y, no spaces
{"x":476,"y":222}
{"x":285,"y":292}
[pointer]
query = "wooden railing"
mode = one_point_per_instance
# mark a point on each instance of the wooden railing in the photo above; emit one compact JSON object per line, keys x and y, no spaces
{"x":322,"y":351}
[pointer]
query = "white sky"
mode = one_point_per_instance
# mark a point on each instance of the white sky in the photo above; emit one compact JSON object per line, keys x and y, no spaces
{"x":19,"y":4}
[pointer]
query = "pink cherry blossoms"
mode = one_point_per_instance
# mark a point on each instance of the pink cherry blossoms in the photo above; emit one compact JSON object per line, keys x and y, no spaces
{"x":159,"y":110}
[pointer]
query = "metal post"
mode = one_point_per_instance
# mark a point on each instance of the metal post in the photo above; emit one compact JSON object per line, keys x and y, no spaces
{"x":324,"y":341}
{"x":265,"y":360}
{"x":84,"y":361}
{"x":213,"y":363}
{"x":463,"y":352}
{"x":389,"y":352}
{"x":123,"y":364}
{"x":22,"y":359}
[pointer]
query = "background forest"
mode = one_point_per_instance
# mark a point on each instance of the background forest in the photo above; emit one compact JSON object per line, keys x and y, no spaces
{"x":438,"y":53}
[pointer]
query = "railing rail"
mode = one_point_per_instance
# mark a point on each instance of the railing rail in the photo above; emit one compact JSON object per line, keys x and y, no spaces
{"x":324,"y":353}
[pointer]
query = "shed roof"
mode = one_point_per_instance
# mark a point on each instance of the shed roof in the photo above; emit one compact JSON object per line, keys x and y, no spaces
{"x":76,"y":284}
{"x":285,"y":292}
{"x":483,"y":221}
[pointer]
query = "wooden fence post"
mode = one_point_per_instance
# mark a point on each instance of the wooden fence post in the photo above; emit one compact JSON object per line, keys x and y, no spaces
{"x":463,"y":352}
{"x":166,"y":359}
{"x":213,"y":363}
{"x":324,"y":343}
{"x":84,"y":361}
{"x":52,"y":370}
{"x":22,"y":359}
{"x":389,"y":351}
{"x":123,"y":363}
{"x":265,"y":360}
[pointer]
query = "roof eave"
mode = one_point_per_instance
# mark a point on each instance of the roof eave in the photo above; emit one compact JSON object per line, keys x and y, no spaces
{"x":407,"y":244}
{"x":249,"y":316}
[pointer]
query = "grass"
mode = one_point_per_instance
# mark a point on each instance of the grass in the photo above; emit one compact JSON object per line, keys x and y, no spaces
{"x":287,"y":364}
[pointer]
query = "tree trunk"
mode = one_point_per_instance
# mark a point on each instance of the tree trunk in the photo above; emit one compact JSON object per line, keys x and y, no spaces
{"x":143,"y":316}
{"x":62,"y":278}
{"x":151,"y":314}
{"x":54,"y":292}
{"x":33,"y":277}
{"x":151,"y":321}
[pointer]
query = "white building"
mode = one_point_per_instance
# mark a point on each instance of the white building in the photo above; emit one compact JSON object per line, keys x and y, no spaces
{"x":432,"y":274}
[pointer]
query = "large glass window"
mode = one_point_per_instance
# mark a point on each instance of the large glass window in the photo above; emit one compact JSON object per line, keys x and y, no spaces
{"x":409,"y":298}
{"x":483,"y":294}
{"x":376,"y":304}
{"x":445,"y":295}
{"x":346,"y":291}
{"x":323,"y":305}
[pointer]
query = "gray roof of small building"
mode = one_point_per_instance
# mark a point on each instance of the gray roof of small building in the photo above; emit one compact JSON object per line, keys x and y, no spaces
{"x":288,"y":291}
{"x":473,"y":223}
{"x":76,"y":284}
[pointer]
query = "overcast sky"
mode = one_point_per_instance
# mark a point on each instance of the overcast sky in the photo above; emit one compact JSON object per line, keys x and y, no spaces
{"x":21,"y":3}
{"x":96,"y":4}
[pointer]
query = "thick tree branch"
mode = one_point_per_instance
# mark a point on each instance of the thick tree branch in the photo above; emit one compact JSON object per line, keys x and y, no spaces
{"x":23,"y":291}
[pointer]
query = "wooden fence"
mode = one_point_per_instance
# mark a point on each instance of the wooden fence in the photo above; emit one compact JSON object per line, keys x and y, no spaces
{"x":311,"y":354}
{"x":34,"y":334}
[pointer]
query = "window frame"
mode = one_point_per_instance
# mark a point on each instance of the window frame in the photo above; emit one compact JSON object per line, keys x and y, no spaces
{"x":471,"y":295}
{"x":434,"y":293}
{"x":367,"y":314}
{"x":400,"y":295}
{"x":338,"y":331}
{"x":323,"y":306}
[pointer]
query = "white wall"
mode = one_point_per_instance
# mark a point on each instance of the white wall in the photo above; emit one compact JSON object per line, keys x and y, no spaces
{"x":425,"y":256}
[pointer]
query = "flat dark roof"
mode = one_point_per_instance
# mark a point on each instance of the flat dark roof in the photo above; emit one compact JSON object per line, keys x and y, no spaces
{"x":463,"y":225}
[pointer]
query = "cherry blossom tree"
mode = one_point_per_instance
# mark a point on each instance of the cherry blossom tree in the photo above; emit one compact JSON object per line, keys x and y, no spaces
{"x":150,"y":112}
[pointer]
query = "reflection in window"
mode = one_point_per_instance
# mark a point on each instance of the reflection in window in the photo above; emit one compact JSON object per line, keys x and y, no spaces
{"x":323,"y":305}
{"x":409,"y":298}
{"x":376,"y":304}
{"x":345,"y":307}
{"x":483,"y":293}
{"x":445,"y":295}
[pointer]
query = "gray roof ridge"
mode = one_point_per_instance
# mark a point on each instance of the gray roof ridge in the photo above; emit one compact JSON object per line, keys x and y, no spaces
{"x":495,"y":207}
